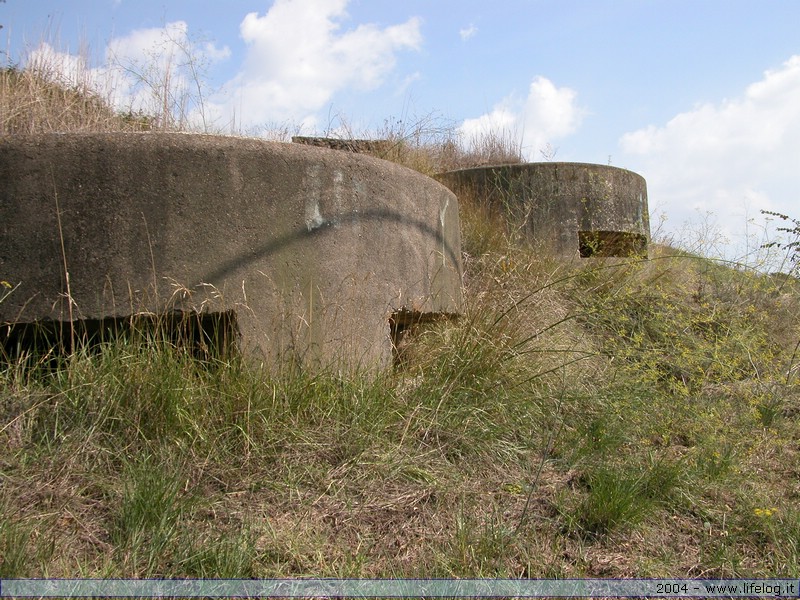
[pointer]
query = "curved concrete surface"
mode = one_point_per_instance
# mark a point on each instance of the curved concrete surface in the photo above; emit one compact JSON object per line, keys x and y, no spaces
{"x":315,"y":253}
{"x":567,"y":207}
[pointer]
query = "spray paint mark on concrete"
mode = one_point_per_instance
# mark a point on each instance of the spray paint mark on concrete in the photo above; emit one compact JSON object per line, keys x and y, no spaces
{"x":442,"y":214}
{"x":314,"y":218}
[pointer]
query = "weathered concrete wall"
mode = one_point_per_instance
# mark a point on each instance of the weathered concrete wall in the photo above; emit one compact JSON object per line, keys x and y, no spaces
{"x":313,"y":251}
{"x":567,"y":207}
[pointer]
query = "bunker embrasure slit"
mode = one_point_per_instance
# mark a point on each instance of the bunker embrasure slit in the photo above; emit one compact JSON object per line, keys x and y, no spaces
{"x":404,"y":325}
{"x":205,"y":335}
{"x":611,"y":244}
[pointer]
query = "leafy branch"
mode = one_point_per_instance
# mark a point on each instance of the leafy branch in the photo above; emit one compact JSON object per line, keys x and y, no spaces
{"x":792,"y":247}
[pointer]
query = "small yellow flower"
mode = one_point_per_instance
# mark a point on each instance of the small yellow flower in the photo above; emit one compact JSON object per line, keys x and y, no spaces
{"x":507,"y":264}
{"x":512,"y":488}
{"x":6,"y":285}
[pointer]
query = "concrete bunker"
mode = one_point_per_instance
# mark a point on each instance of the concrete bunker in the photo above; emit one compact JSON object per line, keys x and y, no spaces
{"x":571,"y":209}
{"x":297,"y":253}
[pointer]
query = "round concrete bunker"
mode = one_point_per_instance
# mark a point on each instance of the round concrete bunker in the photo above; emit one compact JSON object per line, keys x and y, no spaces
{"x":568,"y":208}
{"x":315,"y":254}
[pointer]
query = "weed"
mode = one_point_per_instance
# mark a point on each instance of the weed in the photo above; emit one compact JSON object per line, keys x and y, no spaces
{"x":14,"y":549}
{"x":479,"y":547}
{"x":791,"y":247}
{"x":614,"y":500}
{"x":225,"y":556}
{"x":146,"y":524}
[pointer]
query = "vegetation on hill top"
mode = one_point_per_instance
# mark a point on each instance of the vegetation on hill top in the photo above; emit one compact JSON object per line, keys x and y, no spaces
{"x":40,"y":98}
{"x":33,"y":101}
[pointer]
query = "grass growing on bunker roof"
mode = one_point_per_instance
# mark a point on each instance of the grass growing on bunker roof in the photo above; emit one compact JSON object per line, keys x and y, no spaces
{"x":605,"y":418}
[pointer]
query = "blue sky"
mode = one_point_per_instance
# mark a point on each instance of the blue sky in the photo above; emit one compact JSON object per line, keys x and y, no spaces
{"x":701,"y":97}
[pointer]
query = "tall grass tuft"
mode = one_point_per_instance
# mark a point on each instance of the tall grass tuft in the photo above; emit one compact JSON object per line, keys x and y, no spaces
{"x":38,"y":99}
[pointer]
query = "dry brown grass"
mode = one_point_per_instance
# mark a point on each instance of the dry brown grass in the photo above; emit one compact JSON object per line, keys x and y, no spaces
{"x":41,"y":98}
{"x":38,"y":101}
{"x":431,"y":144}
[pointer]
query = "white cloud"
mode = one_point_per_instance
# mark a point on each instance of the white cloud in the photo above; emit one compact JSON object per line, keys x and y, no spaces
{"x":148,"y":70}
{"x":68,"y":69}
{"x":298,"y":57}
{"x":468,"y":32}
{"x":407,"y":81}
{"x":548,"y":113}
{"x":731,"y":159}
{"x":149,"y":65}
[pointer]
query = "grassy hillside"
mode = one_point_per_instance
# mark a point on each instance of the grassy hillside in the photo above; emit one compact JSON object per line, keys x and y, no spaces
{"x":36,"y":101}
{"x":606,"y":418}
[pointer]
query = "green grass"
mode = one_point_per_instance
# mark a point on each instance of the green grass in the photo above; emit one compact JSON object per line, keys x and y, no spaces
{"x":576,"y":414}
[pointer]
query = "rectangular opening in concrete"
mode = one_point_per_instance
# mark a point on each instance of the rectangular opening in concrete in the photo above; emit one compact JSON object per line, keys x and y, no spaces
{"x":404,"y":325}
{"x":401,"y":325}
{"x":205,"y":335}
{"x":611,"y":243}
